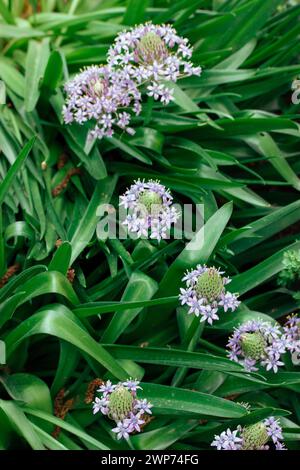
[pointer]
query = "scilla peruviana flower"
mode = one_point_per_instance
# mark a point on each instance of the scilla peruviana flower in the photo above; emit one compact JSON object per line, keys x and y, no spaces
{"x":150,"y":210}
{"x":257,"y":342}
{"x":105,"y":97}
{"x":120,"y":403}
{"x":252,"y":437}
{"x":292,"y":334}
{"x":205,"y":293}
{"x":153,"y":54}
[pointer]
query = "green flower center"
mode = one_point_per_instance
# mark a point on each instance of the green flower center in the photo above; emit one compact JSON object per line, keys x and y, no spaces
{"x":151,"y":200}
{"x":120,"y":403}
{"x":210,"y":285}
{"x":255,"y":436}
{"x":151,"y":47}
{"x":253,"y":345}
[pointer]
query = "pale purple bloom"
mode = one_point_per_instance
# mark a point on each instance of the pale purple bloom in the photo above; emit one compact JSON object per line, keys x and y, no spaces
{"x":229,"y":301}
{"x":205,"y":293}
{"x":209,"y":314}
{"x":129,"y":413}
{"x":132,"y":385}
{"x":106,"y":388}
{"x":153,"y":53}
{"x":143,"y":406}
{"x":292,"y":333}
{"x":267,"y":341}
{"x":122,"y":430}
{"x":100,"y":404}
{"x":101,"y":95}
{"x":274,"y":429}
{"x":227,"y":440}
{"x":238,"y":439}
{"x":150,"y":211}
{"x":134,"y":422}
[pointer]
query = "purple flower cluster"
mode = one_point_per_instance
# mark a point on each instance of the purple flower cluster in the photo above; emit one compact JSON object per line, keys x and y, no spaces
{"x":150,"y":209}
{"x":205,"y":293}
{"x":120,"y":403}
{"x":252,"y":437}
{"x":152,"y":54}
{"x":257,"y":342}
{"x":103,"y":96}
{"x":292,"y":334}
{"x":146,"y":56}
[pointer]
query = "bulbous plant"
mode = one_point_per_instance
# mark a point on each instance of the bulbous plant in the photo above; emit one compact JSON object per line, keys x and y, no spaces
{"x":120,"y":403}
{"x":251,"y":437}
{"x":205,"y":293}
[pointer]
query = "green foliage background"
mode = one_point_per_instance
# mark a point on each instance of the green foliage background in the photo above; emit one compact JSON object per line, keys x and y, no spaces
{"x":229,"y":141}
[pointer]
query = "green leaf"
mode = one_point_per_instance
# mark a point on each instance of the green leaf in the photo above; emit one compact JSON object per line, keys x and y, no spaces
{"x":21,"y":424}
{"x":176,"y":401}
{"x":60,"y":322}
{"x":87,"y":225}
{"x":36,"y":62}
{"x":12,"y":172}
{"x":28,"y":389}
{"x":139,"y":286}
{"x":135,"y":11}
{"x":61,"y":259}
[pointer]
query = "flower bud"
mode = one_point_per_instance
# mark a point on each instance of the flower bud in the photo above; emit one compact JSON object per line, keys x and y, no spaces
{"x":120,"y":403}
{"x":255,"y":436}
{"x":210,"y":284}
{"x":253,"y":345}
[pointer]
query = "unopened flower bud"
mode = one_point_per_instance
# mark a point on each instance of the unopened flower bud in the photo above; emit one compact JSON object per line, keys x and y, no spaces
{"x":120,"y":403}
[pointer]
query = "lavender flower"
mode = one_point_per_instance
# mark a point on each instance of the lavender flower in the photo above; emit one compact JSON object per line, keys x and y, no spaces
{"x":228,"y":440}
{"x":153,"y":54}
{"x":257,"y":342}
{"x":205,"y":293}
{"x":102,"y":96}
{"x":120,"y":403}
{"x":292,"y":334}
{"x":150,"y":209}
{"x":252,"y":437}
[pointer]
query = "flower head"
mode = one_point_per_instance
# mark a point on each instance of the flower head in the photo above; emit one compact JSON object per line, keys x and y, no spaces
{"x":102,"y":96}
{"x":257,"y":342}
{"x":206,"y":294}
{"x":150,"y":209}
{"x":152,"y":54}
{"x":120,"y":403}
{"x":251,"y":437}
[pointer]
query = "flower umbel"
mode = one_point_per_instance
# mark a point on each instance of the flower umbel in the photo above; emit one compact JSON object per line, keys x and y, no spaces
{"x":257,"y":342}
{"x":120,"y":403}
{"x":252,"y":437}
{"x":104,"y":97}
{"x":206,"y":294}
{"x":150,"y":210}
{"x":151,"y":54}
